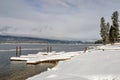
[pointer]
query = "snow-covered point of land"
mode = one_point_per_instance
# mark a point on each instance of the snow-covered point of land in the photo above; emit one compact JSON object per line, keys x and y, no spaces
{"x":92,"y":65}
{"x":110,"y":47}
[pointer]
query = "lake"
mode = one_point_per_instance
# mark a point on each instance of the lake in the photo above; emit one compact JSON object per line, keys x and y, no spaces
{"x":19,"y":70}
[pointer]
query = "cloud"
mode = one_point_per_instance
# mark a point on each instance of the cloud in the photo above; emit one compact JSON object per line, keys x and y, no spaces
{"x":55,"y":19}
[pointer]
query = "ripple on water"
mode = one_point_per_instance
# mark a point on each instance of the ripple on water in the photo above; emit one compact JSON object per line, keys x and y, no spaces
{"x":21,"y":70}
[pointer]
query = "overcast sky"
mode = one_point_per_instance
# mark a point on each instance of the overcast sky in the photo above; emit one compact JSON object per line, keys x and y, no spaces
{"x":55,"y":19}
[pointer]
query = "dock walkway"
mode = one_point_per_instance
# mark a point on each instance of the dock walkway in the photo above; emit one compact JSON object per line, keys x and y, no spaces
{"x":45,"y":57}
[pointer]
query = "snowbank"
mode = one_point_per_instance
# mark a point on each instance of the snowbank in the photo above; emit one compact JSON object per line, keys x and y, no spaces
{"x":93,"y":65}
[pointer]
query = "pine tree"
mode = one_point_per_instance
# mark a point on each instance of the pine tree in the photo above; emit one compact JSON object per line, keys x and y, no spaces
{"x":115,"y":24}
{"x":104,"y":31}
{"x":112,"y":34}
{"x":107,"y":32}
{"x":108,"y":27}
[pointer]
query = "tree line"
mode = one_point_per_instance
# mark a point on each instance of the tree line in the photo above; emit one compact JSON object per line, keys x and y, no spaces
{"x":110,"y":33}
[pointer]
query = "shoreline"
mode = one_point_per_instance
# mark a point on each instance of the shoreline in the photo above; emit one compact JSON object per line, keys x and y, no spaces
{"x":97,"y":61}
{"x":88,"y":48}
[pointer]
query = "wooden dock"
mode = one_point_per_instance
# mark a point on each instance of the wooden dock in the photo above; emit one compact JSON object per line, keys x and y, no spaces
{"x":40,"y":57}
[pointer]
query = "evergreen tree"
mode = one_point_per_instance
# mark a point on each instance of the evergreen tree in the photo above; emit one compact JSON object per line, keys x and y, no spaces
{"x":112,"y":34}
{"x":107,"y":28}
{"x":115,"y":24}
{"x":104,"y":31}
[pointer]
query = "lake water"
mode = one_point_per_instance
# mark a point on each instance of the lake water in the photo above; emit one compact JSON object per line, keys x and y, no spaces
{"x":19,"y":70}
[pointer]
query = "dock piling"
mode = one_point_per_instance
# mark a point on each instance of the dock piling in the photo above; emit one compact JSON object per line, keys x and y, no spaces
{"x":18,"y":51}
{"x":49,"y":49}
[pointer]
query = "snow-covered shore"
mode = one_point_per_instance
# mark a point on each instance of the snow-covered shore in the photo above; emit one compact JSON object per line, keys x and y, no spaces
{"x":101,"y":63}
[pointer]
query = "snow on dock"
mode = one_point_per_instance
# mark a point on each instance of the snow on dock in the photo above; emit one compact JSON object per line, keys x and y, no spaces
{"x":52,"y":57}
{"x":44,"y":57}
{"x":18,"y":59}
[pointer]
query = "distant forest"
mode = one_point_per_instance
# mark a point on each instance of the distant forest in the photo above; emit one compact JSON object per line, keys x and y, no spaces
{"x":16,"y":39}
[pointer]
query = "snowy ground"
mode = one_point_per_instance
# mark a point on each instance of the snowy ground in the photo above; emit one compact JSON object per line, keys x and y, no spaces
{"x":102,"y":63}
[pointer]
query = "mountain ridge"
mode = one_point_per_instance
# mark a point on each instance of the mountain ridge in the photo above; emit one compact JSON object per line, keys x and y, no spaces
{"x":21,"y":39}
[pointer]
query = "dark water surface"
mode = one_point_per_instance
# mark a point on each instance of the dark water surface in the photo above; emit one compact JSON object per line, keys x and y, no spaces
{"x":19,"y":70}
